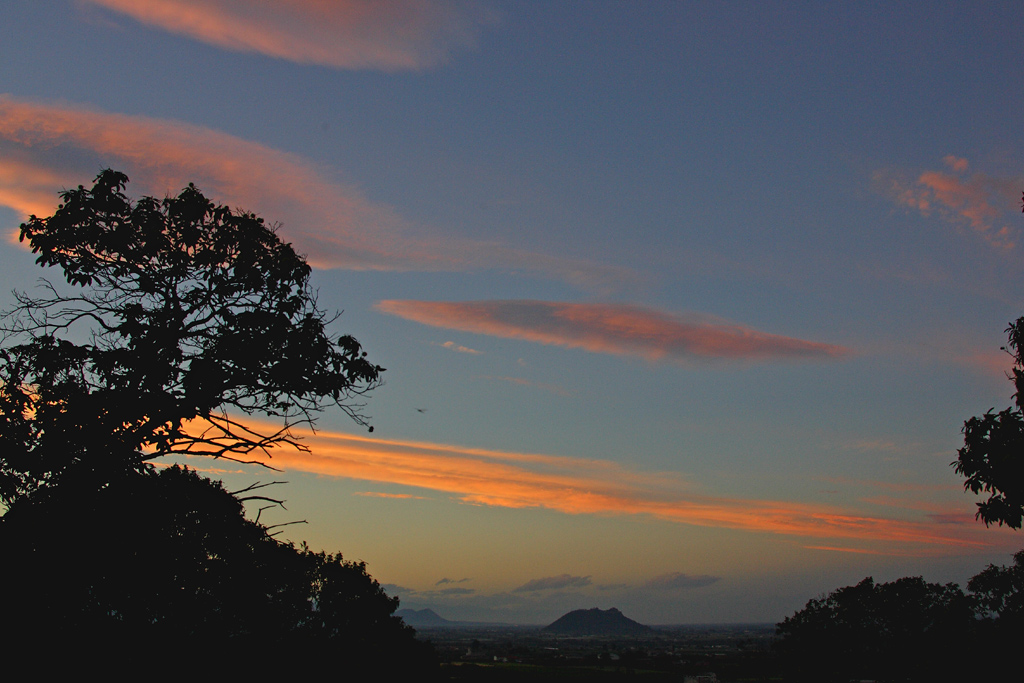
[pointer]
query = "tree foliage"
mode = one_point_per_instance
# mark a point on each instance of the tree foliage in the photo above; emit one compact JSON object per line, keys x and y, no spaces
{"x":999,"y":591}
{"x":992,"y":458}
{"x":902,"y":630}
{"x":175,"y":321}
{"x":168,"y":556}
{"x":177,"y":316}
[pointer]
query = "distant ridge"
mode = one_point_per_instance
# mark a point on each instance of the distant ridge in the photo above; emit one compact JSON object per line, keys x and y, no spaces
{"x":596,"y":622}
{"x":422,"y":618}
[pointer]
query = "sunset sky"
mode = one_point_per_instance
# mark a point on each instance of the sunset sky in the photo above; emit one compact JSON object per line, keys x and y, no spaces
{"x":682,"y":304}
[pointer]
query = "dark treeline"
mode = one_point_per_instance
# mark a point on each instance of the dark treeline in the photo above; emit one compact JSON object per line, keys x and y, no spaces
{"x":908,"y":629}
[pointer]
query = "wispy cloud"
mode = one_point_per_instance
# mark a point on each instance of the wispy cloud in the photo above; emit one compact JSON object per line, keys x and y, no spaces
{"x":958,"y":164}
{"x":445,"y":580}
{"x":51,"y":145}
{"x":46,"y":147}
{"x":976,"y":200}
{"x":857,"y":551}
{"x":27,"y":188}
{"x":347,"y":34}
{"x":611,"y":328}
{"x":681,"y":581}
{"x":452,"y":346}
{"x":583,"y":486}
{"x":553,"y":583}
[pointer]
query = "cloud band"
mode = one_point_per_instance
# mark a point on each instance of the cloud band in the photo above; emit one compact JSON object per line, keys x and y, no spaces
{"x":609,"y":328}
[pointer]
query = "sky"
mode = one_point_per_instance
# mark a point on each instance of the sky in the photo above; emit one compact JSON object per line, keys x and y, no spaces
{"x":683,"y":304}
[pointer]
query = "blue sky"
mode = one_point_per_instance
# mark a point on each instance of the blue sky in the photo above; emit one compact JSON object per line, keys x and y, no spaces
{"x":694,"y":297}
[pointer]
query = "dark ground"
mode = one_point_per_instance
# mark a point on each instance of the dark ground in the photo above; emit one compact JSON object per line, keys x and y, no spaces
{"x":670,"y":653}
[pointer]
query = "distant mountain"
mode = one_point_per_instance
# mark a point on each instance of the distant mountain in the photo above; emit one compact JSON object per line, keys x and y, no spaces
{"x":596,"y":622}
{"x":422,"y":618}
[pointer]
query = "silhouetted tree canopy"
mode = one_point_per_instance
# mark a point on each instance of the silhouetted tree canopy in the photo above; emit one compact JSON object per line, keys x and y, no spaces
{"x":992,"y":457}
{"x":999,"y":591}
{"x":175,"y":310}
{"x":176,"y":319}
{"x":904,"y":630}
{"x":169,"y":557}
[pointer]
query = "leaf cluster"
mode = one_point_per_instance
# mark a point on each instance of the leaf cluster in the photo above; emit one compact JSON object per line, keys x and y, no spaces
{"x":992,"y":457}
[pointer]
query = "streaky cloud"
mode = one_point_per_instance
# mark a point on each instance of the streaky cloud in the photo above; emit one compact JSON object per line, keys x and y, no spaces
{"x":477,"y":476}
{"x":346,"y":34}
{"x":27,"y":188}
{"x":381,"y":494}
{"x":43,"y":146}
{"x":856,"y":551}
{"x":611,"y":328}
{"x":445,"y":580}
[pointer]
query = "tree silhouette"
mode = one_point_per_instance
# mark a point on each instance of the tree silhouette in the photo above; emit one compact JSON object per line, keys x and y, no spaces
{"x":193,"y":314}
{"x":992,"y":457}
{"x":992,"y":462}
{"x":176,"y":319}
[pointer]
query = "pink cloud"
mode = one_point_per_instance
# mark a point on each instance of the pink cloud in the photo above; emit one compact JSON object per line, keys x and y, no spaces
{"x":597,"y":487}
{"x":45,"y":148}
{"x":347,"y":34}
{"x":956,"y":163}
{"x":980,"y":202}
{"x":610,"y":328}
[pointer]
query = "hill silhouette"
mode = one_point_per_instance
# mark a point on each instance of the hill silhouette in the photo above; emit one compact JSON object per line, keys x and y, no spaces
{"x":596,"y":622}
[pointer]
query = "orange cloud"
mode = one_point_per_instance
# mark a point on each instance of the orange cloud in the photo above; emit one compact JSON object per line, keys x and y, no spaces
{"x":978,"y":201}
{"x":861,"y":551}
{"x":582,"y":486}
{"x":26,"y":188}
{"x":609,"y":328}
{"x":42,"y":146}
{"x":380,"y":494}
{"x":347,"y":34}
